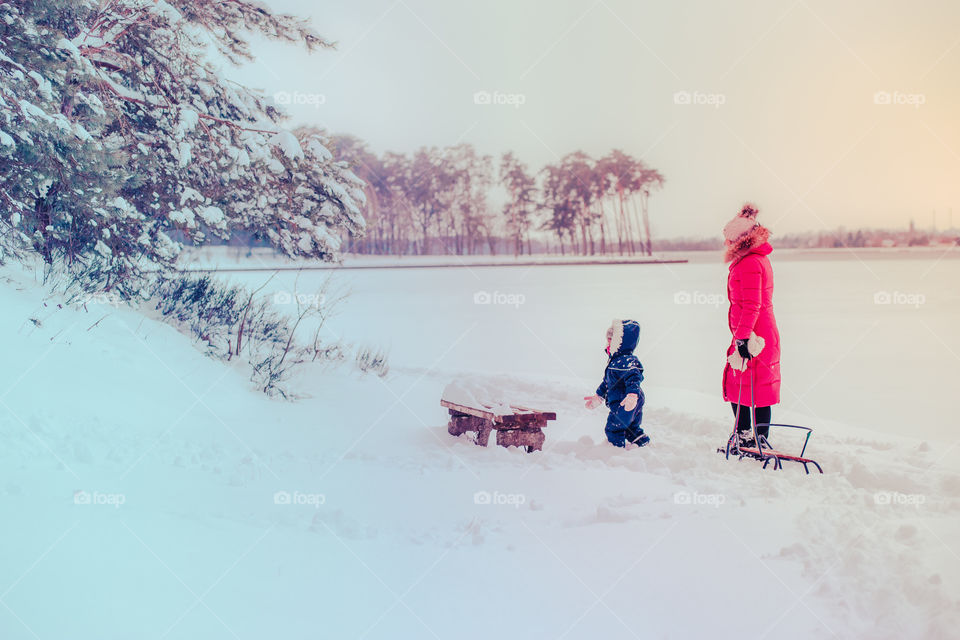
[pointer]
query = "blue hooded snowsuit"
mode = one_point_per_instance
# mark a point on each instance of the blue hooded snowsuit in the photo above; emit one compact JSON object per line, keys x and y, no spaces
{"x":623,"y":376}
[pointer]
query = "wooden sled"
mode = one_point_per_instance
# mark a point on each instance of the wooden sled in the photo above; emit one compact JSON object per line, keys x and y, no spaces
{"x":521,"y":427}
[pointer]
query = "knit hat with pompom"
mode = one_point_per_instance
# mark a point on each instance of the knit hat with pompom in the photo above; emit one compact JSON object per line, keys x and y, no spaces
{"x":742,"y":224}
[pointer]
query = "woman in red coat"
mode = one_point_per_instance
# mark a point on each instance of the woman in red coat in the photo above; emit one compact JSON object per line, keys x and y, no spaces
{"x":753,"y":357}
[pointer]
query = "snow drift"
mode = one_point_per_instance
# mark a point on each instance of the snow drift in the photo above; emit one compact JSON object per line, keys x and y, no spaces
{"x":150,"y":492}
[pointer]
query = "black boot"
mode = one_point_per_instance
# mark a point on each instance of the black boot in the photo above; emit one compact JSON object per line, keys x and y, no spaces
{"x":746,"y":438}
{"x":640,"y":440}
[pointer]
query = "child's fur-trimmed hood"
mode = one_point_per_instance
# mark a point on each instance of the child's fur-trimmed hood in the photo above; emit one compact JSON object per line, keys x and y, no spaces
{"x":624,"y":336}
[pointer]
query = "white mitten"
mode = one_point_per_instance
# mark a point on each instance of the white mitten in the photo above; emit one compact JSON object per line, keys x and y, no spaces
{"x":754,"y":345}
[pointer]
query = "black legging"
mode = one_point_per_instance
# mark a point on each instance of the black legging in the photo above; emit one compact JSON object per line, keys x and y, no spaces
{"x":764,"y":415}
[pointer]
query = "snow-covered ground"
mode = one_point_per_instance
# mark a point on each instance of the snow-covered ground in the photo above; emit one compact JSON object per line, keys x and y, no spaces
{"x":148,"y":492}
{"x":867,"y":341}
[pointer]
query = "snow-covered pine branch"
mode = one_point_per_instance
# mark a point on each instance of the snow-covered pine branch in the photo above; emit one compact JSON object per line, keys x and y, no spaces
{"x":118,"y":135}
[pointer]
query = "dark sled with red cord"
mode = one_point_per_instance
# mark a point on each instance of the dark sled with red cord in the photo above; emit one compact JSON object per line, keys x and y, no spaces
{"x":762,"y":450}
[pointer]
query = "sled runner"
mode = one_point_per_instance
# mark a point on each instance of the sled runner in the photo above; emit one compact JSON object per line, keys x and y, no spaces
{"x":767,"y":454}
{"x":761,"y":449}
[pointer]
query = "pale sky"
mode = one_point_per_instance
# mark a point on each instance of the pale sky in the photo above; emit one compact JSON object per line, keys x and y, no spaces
{"x":799,"y":130}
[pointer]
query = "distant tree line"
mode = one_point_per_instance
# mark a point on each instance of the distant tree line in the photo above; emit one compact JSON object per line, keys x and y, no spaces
{"x":866,"y":238}
{"x":838,"y":239}
{"x":438,"y":200}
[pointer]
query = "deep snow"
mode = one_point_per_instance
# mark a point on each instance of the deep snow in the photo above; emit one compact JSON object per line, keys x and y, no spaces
{"x":352,"y":513}
{"x":846,"y":358}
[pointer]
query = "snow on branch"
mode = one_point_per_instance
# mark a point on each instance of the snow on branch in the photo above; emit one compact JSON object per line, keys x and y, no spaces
{"x":128,"y":108}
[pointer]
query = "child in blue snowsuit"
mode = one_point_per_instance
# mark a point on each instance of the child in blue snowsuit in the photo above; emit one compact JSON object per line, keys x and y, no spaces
{"x":620,"y":389}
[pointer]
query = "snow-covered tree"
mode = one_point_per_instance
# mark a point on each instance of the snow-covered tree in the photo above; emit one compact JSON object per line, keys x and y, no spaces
{"x":116,"y":129}
{"x":386,"y":231}
{"x":521,"y":202}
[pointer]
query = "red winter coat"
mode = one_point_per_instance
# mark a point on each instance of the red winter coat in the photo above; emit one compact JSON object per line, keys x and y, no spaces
{"x":750,"y":291}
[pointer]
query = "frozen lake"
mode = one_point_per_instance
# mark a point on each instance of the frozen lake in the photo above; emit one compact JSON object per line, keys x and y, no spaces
{"x":869,"y":339}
